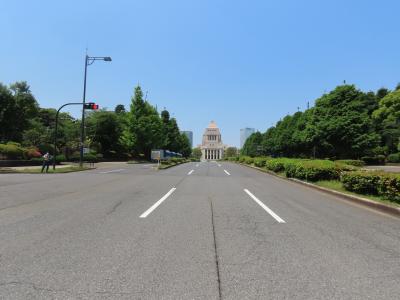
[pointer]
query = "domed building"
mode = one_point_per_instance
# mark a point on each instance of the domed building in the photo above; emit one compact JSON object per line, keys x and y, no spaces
{"x":212,"y":147}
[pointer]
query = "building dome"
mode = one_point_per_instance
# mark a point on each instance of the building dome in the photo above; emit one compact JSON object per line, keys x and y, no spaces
{"x":212,"y":125}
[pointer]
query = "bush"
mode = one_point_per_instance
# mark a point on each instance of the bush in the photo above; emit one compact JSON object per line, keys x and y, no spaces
{"x":374,"y":160}
{"x":260,"y":161}
{"x":276,"y":164}
{"x":394,"y":158}
{"x":12,"y":150}
{"x":242,"y":159}
{"x":314,"y":170}
{"x":60,"y":158}
{"x":375,"y":183}
{"x":351,"y":162}
{"x":361,"y":182}
{"x":32,"y":152}
{"x":249,"y":160}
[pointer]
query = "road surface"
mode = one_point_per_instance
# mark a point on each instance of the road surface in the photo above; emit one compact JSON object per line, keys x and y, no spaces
{"x":197,"y":231}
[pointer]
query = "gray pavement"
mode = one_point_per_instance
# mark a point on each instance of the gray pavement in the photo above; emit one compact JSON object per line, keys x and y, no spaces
{"x":210,"y":233}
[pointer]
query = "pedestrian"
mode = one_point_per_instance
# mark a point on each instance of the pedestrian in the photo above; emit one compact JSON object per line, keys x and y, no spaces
{"x":46,"y":162}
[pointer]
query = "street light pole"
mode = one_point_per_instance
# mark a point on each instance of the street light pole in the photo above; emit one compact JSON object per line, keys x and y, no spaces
{"x":88,"y":61}
{"x":56,"y":129}
{"x":83,"y":115}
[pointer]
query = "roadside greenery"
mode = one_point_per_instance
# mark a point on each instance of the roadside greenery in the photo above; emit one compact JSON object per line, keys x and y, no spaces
{"x":27,"y":130}
{"x":347,"y":172}
{"x":165,"y":164}
{"x":345,"y":123}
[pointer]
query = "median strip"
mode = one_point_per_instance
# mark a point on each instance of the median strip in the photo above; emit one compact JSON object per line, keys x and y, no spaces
{"x":155,"y":205}
{"x":112,"y":171}
{"x":266,"y":208}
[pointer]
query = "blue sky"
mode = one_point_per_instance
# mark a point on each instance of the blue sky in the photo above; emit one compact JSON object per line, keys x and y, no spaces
{"x":240,"y":63}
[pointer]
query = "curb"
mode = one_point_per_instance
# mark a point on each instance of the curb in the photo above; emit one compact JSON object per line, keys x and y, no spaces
{"x":392,"y":210}
{"x":167,"y":167}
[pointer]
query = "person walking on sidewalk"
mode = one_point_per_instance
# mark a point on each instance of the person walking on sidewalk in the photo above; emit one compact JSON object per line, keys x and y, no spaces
{"x":46,"y":162}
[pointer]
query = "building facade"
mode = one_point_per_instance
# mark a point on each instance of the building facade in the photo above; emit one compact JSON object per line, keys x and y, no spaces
{"x":212,"y":147}
{"x":244,"y":135}
{"x":189,"y":135}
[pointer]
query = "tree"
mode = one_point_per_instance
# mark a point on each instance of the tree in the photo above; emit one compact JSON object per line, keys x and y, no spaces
{"x":143,"y":130}
{"x":387,"y":116}
{"x":7,"y":114}
{"x":341,"y":125}
{"x":184,"y":147}
{"x":104,"y":131}
{"x":119,"y":109}
{"x":230,"y":152}
{"x":253,"y":145}
{"x":196,"y":153}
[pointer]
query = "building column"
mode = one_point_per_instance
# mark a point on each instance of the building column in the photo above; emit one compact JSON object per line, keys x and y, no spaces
{"x":213,"y":154}
{"x":206,"y":153}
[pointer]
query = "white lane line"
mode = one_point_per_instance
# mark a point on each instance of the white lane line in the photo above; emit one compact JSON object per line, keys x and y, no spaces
{"x":190,"y":172}
{"x":227,"y":173}
{"x":219,"y":165}
{"x":154,"y":206}
{"x":266,"y":208}
{"x":112,"y":171}
{"x":197,"y":165}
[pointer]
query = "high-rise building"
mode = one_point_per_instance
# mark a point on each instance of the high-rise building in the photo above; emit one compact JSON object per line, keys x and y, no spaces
{"x":189,"y":135}
{"x":244,"y":134}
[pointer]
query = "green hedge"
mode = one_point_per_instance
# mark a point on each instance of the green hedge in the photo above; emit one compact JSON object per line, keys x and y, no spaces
{"x":351,"y":162}
{"x":260,"y":161}
{"x":374,"y":160}
{"x":12,"y":150}
{"x":394,"y":158}
{"x":315,"y":170}
{"x":375,"y":183}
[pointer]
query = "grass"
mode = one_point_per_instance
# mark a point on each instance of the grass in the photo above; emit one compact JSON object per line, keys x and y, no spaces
{"x":337,"y":186}
{"x":51,"y":171}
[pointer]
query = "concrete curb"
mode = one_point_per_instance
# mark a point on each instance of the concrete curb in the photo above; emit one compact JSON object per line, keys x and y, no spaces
{"x":167,"y":167}
{"x":387,"y":208}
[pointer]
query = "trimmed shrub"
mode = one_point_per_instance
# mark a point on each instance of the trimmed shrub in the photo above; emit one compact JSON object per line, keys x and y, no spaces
{"x":374,"y":160}
{"x":351,"y":162}
{"x":12,"y":150}
{"x":361,"y":182}
{"x":276,"y":164}
{"x":260,"y":161}
{"x":313,"y":170}
{"x":32,"y":152}
{"x":394,"y":158}
{"x":374,"y":183}
{"x":389,"y":187}
{"x":60,"y":158}
{"x":242,"y":159}
{"x":249,"y":160}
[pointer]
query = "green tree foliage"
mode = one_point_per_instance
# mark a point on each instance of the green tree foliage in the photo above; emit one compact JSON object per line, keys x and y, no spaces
{"x":253,"y":145}
{"x":104,"y":130}
{"x":387,"y":117}
{"x":196,"y":153}
{"x":340,"y":125}
{"x":18,"y":108}
{"x":143,"y":127}
{"x":119,"y":109}
{"x":231,"y":152}
{"x":184,"y":147}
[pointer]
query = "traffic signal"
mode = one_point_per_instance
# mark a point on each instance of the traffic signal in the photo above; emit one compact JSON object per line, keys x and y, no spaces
{"x":91,"y":105}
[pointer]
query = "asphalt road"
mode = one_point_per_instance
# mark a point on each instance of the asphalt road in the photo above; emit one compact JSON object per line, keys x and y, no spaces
{"x":196,"y":231}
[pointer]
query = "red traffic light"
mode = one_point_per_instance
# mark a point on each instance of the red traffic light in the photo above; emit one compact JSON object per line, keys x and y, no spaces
{"x":91,"y":105}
